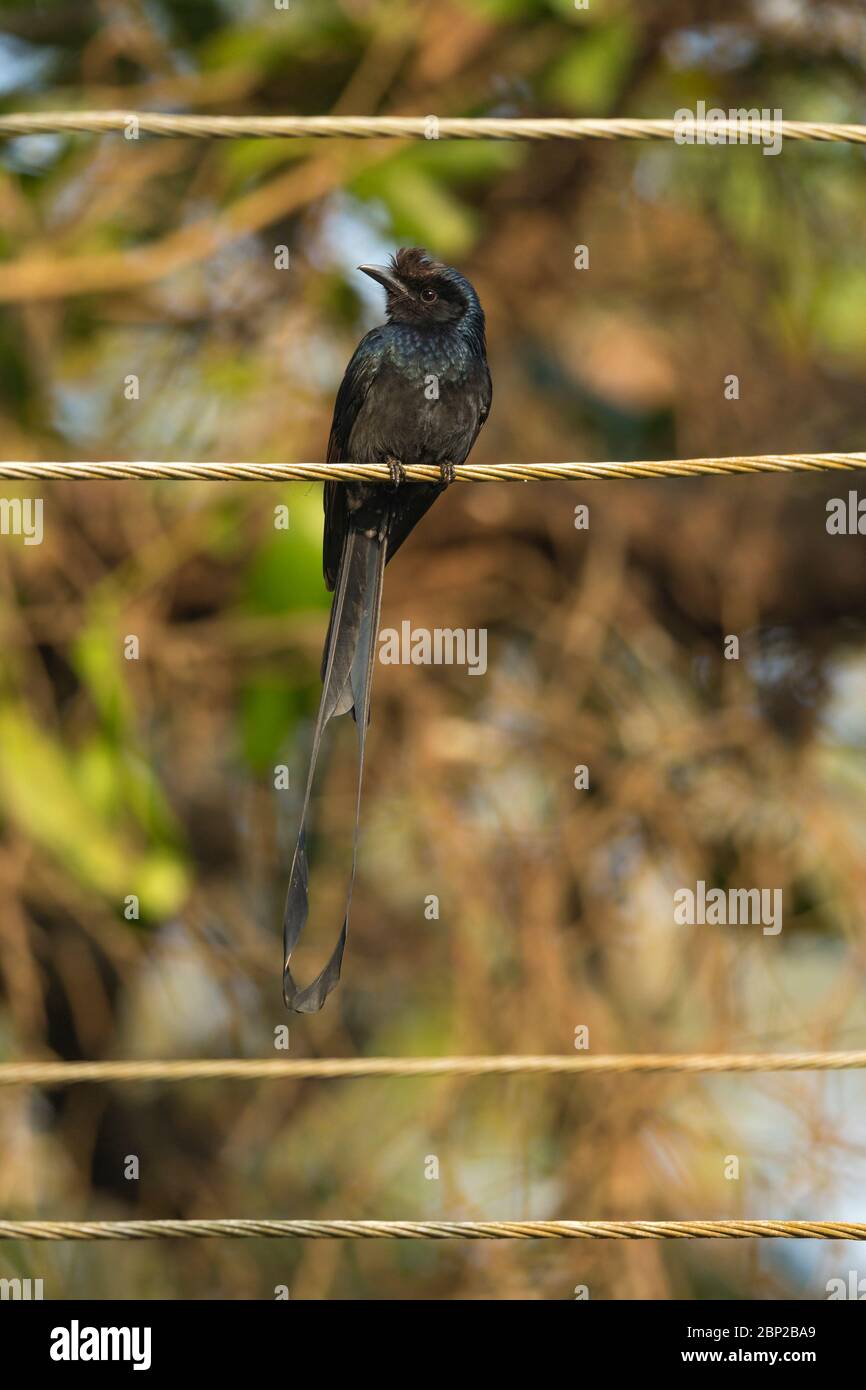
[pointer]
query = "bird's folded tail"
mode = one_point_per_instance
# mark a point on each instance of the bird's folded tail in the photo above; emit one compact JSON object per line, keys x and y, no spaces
{"x":347,"y":670}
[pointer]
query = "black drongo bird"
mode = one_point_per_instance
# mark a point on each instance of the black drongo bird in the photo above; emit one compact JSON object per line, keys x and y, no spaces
{"x":417,"y":390}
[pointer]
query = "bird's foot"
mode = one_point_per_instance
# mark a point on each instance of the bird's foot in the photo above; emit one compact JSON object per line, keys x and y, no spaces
{"x":447,"y":473}
{"x":397,"y":471}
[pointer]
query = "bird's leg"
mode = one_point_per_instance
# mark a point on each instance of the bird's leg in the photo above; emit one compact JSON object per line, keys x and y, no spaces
{"x":447,"y":473}
{"x":397,"y":471}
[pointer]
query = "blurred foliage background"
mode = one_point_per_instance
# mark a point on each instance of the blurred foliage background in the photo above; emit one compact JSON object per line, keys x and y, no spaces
{"x":156,"y":776}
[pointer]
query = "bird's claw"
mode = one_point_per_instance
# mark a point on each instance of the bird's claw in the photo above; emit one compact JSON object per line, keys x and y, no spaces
{"x":397,"y":471}
{"x":447,"y":473}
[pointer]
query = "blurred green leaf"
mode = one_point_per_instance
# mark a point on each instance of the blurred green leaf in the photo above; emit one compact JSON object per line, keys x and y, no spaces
{"x":270,"y":707}
{"x":838,"y":316}
{"x":458,"y":161}
{"x":117,"y":782}
{"x":286,"y":572}
{"x":587,"y":76}
{"x":40,"y":791}
{"x":247,"y":159}
{"x":422,"y":211}
{"x":98,"y":660}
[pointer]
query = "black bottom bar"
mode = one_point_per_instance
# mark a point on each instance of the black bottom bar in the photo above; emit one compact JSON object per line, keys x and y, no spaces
{"x":225,"y":1339}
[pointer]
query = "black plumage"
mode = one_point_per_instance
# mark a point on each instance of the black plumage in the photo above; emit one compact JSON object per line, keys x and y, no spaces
{"x":417,"y":390}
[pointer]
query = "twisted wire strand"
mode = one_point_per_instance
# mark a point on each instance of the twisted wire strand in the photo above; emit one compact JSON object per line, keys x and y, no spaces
{"x":336,"y":1068}
{"x":227,"y":1228}
{"x":81,"y":470}
{"x":732,"y":131}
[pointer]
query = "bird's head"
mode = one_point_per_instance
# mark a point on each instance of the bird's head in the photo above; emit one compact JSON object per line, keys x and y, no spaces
{"x":422,"y":291}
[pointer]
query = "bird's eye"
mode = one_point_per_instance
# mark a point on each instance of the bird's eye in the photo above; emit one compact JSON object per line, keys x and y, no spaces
{"x":429,"y":296}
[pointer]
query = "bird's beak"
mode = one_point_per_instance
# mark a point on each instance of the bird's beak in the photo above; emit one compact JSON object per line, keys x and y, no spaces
{"x":384,"y":276}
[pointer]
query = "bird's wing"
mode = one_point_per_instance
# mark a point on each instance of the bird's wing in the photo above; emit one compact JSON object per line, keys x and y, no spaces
{"x":358,"y":379}
{"x":486,"y":400}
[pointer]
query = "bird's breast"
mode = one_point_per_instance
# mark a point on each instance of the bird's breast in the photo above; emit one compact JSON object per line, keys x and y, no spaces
{"x":424,"y":405}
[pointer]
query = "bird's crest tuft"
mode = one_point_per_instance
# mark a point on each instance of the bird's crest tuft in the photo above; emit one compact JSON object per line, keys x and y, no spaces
{"x":414,"y":263}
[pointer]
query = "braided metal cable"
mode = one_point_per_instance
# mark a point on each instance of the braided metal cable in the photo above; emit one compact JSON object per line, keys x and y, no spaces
{"x":731,"y":131}
{"x":416,"y":472}
{"x":432,"y":1230}
{"x":337,"y":1068}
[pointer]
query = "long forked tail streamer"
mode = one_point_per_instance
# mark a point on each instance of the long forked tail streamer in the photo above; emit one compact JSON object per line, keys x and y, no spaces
{"x":347,"y":678}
